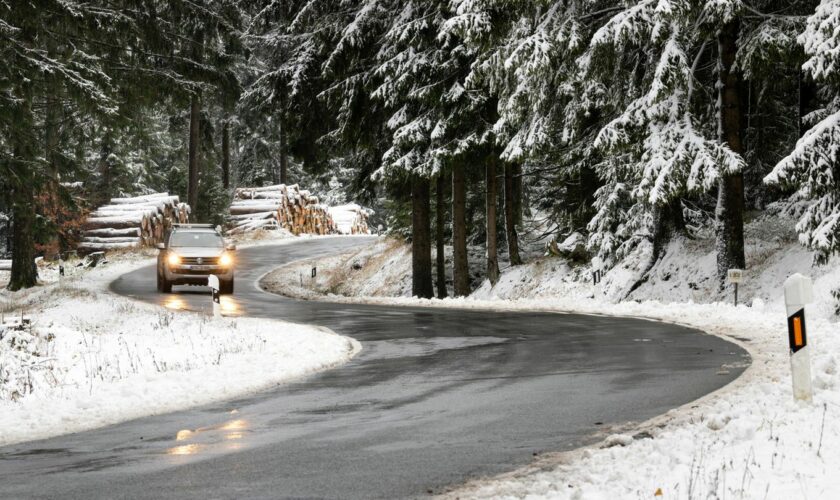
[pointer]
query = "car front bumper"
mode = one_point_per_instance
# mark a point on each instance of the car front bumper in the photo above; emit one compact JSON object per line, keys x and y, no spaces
{"x":196,"y":275}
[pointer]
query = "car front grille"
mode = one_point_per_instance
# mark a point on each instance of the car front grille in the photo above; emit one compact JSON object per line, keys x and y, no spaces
{"x":204,"y":261}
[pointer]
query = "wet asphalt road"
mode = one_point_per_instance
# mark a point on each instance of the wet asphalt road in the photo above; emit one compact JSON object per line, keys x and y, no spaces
{"x":435,"y":398}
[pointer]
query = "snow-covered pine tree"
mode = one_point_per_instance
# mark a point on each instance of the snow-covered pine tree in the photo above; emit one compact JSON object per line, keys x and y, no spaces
{"x":813,"y":167}
{"x":775,"y":95}
{"x":197,"y":48}
{"x":657,"y":148}
{"x":438,"y":124}
{"x":526,"y":60}
{"x":309,"y":88}
{"x":414,"y":72}
{"x":39,"y":68}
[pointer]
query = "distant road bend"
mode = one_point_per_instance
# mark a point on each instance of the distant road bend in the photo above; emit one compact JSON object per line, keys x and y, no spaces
{"x":436,"y":397}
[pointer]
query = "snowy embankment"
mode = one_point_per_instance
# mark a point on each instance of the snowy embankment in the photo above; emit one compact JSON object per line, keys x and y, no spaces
{"x":382,"y":269}
{"x":92,"y":358}
{"x":747,"y":440}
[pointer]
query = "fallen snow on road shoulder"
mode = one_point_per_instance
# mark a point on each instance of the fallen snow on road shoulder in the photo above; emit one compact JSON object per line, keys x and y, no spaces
{"x":92,"y":358}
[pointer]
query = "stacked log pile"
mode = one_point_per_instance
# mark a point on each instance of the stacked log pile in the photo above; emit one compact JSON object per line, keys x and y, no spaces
{"x":132,"y":222}
{"x":351,"y":218}
{"x":279,"y":207}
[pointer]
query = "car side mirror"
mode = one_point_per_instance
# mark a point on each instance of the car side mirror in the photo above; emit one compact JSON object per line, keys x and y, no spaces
{"x":160,"y":246}
{"x":230,"y":247}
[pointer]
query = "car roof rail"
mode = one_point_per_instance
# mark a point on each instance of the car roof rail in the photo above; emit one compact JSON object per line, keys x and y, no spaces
{"x":188,"y":225}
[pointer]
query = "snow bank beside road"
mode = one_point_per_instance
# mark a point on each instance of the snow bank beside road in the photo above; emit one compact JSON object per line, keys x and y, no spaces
{"x":92,"y":358}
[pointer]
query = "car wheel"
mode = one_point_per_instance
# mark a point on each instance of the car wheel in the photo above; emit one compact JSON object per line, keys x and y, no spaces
{"x":226,"y":287}
{"x":164,"y":285}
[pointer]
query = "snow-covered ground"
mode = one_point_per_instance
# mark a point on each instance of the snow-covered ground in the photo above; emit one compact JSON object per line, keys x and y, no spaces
{"x":378,"y":270}
{"x":748,"y":440}
{"x":92,"y":358}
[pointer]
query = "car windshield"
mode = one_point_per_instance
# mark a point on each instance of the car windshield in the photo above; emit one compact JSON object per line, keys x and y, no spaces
{"x":195,"y":239}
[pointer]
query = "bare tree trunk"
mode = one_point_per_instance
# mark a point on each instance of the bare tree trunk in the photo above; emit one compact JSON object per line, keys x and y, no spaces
{"x":421,"y":239}
{"x":729,"y":214}
{"x":225,"y":156}
{"x":195,"y":137}
{"x":460,"y":264}
{"x":511,"y":218}
{"x":492,"y":253}
{"x":440,"y":221}
{"x":284,"y":157}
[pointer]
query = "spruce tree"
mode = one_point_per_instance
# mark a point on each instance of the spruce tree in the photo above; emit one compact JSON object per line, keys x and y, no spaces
{"x":813,"y":166}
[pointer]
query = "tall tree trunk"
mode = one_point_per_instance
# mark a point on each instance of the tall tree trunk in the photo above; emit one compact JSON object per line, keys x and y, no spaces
{"x":440,"y":221}
{"x":24,"y":273}
{"x":517,"y":192}
{"x":460,"y":264}
{"x":421,"y":239}
{"x":51,"y":140}
{"x":106,"y":187}
{"x":667,"y":221}
{"x":284,"y":156}
{"x":807,"y":94}
{"x":511,"y":215}
{"x":729,"y":214}
{"x":492,"y":252}
{"x":195,"y":137}
{"x":225,"y":155}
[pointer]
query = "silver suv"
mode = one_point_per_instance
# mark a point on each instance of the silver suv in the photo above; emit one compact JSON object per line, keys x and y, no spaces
{"x":192,"y":252}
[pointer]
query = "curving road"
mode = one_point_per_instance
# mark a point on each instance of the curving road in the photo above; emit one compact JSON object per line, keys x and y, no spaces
{"x":436,"y":397}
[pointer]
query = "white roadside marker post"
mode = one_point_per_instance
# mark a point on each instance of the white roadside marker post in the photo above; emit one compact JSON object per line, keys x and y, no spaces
{"x":213,"y":283}
{"x":735,"y":277}
{"x":798,"y":292}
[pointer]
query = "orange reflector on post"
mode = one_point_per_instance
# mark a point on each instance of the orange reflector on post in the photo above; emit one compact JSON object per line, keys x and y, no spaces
{"x":797,"y":337}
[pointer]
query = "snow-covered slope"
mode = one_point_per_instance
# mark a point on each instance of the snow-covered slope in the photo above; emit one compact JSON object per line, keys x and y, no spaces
{"x":382,"y":269}
{"x":92,"y":358}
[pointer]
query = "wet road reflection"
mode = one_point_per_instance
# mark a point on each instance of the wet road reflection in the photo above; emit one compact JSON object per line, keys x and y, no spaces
{"x":174,"y":302}
{"x":185,"y":449}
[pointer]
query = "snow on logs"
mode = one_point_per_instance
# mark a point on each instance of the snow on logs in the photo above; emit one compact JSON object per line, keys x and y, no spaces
{"x":280,"y":206}
{"x":351,"y":218}
{"x":132,"y":222}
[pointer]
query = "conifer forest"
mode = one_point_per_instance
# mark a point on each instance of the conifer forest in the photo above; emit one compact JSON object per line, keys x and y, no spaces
{"x":459,"y":122}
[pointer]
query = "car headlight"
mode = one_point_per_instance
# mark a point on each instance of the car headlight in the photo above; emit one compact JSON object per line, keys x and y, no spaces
{"x":226,"y":259}
{"x":174,"y":259}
